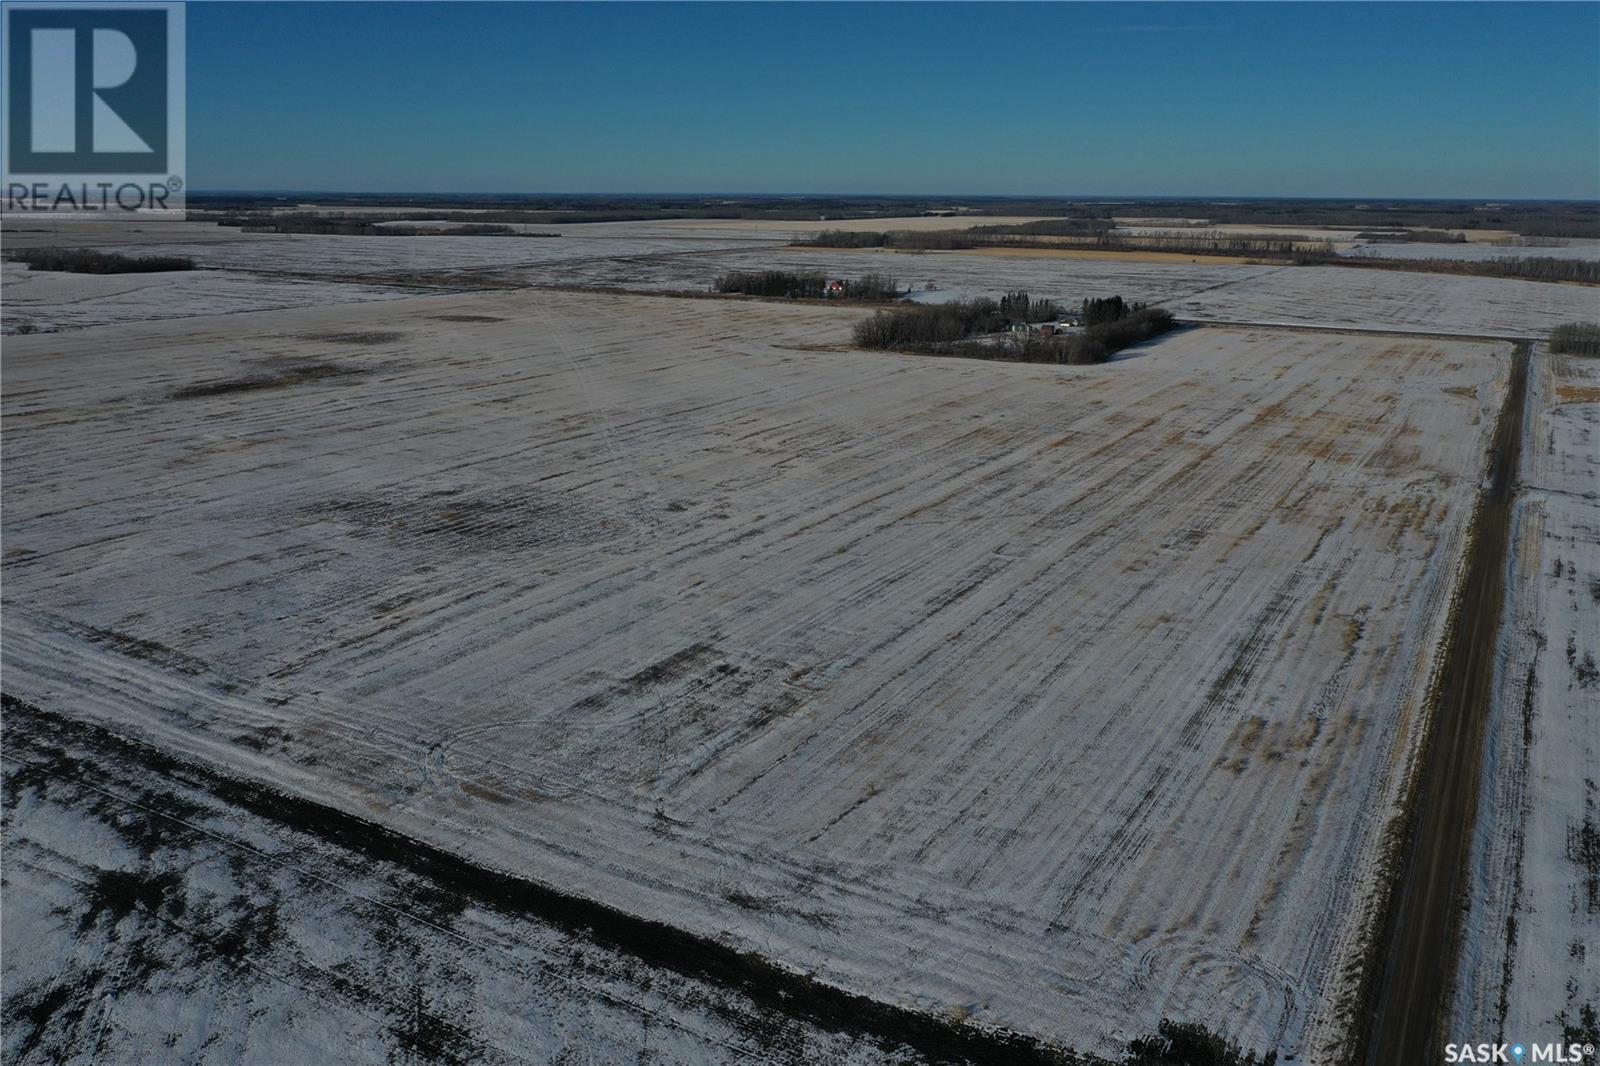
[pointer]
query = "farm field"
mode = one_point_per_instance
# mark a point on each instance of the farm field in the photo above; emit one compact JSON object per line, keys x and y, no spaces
{"x":48,"y":300}
{"x":953,"y":273}
{"x":1380,"y":299}
{"x":680,"y":257}
{"x":592,"y":534}
{"x":1572,"y":248}
{"x":1325,"y":296}
{"x":251,"y":271}
{"x":316,"y":254}
{"x":1065,"y":699}
{"x":270,"y":945}
{"x":785,"y":230}
{"x":774,"y":228}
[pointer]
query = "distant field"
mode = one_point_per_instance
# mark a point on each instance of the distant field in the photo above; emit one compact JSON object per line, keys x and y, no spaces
{"x":922,"y":223}
{"x":262,"y":270}
{"x":1571,"y":249}
{"x":49,"y":301}
{"x":1334,"y":296}
{"x":1157,"y":225}
{"x":1045,"y":251}
{"x":1060,"y":698}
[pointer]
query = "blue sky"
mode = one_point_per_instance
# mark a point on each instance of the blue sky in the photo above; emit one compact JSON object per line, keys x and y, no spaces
{"x":1393,"y":100}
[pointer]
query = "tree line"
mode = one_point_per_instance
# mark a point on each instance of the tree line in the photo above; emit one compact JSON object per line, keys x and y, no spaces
{"x":928,"y":326}
{"x":806,"y":285}
{"x":1528,"y":268}
{"x":1213,"y":242}
{"x":1051,"y":227}
{"x":1418,"y":236}
{"x":90,"y":261}
{"x":1576,"y":338}
{"x":348,"y":227}
{"x":1266,"y":248}
{"x":917,"y":240}
{"x":982,"y":328}
{"x":1551,"y":218}
{"x":1072,"y":233}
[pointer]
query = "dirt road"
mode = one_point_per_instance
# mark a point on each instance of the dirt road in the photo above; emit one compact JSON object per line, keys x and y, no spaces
{"x":1412,"y":974}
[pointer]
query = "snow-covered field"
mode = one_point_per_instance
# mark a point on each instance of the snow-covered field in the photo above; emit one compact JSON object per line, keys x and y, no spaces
{"x":1327,"y":296}
{"x":769,"y":230}
{"x":362,"y":257}
{"x":49,"y":300}
{"x":147,"y":920}
{"x":1531,"y":968}
{"x":1066,"y":699}
{"x":687,"y":256}
{"x":251,"y":271}
{"x":964,"y":274}
{"x":1575,"y":248}
{"x":1381,"y":299}
{"x":122,"y":233}
{"x":1060,"y":698}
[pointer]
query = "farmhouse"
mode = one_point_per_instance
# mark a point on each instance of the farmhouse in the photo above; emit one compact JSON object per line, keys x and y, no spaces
{"x":1048,"y":329}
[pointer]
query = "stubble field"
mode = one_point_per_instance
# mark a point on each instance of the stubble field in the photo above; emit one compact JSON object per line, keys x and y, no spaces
{"x":1063,"y":699}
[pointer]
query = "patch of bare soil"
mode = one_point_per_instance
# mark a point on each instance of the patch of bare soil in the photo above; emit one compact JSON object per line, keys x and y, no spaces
{"x":376,"y":336}
{"x":294,"y":374}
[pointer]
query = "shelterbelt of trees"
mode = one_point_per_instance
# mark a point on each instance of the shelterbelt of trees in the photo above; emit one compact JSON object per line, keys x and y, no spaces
{"x":1266,"y":248}
{"x":92,"y":261}
{"x":806,"y":285}
{"x":374,"y":225}
{"x":1069,"y":233}
{"x":1529,"y":218}
{"x":984,"y":329}
{"x":1576,"y":338}
{"x":1528,"y":268}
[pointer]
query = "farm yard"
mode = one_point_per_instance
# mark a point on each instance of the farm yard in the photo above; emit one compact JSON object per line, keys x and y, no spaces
{"x":995,"y":698}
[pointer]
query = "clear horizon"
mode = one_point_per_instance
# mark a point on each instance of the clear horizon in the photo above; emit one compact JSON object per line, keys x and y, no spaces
{"x":1105,"y":198}
{"x":1292,"y":101}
